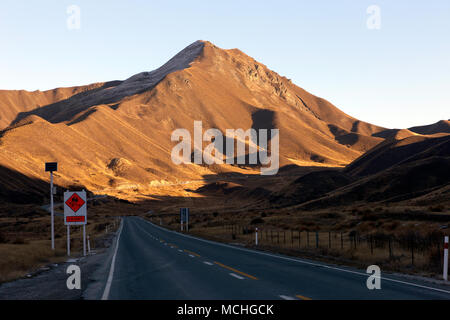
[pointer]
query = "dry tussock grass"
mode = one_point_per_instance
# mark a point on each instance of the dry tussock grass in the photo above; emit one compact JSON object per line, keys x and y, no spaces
{"x":25,"y":241}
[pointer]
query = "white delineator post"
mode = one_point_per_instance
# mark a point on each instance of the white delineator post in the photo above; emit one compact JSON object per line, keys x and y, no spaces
{"x":445,"y":274}
{"x":256,"y":236}
{"x":89,"y":244}
{"x":84,"y":240}
{"x":68,"y":240}
{"x":51,"y":211}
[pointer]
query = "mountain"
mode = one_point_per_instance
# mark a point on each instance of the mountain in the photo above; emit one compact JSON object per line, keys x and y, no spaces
{"x":442,"y":126}
{"x":413,"y":170}
{"x":116,"y":136}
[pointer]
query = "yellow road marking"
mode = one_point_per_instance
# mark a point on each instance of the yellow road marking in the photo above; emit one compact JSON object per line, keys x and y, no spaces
{"x":302,"y":297}
{"x":172,"y":245}
{"x":193,"y":253}
{"x":232,"y":269}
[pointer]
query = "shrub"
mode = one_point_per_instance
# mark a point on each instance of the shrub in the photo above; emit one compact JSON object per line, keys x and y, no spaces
{"x":3,"y":238}
{"x":437,"y":208}
{"x":257,"y":221}
{"x":20,"y":240}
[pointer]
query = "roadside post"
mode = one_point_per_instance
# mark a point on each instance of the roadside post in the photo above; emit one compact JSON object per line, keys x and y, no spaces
{"x":181,"y":218}
{"x":184,"y":218}
{"x":445,"y":273}
{"x":50,"y":167}
{"x":75,"y":214}
{"x":256,"y":236}
{"x":187,"y":219}
{"x":89,"y":244}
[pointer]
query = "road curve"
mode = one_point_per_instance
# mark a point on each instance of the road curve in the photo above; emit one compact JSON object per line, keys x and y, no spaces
{"x":155,"y":263}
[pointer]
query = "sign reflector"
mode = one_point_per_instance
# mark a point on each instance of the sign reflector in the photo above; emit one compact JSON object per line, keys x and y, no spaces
{"x":75,"y":219}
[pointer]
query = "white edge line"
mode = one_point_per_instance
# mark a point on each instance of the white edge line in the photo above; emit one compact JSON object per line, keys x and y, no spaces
{"x":286,"y":297}
{"x":111,"y":269}
{"x":297,"y":260}
{"x":236,"y":276}
{"x":208,"y":263}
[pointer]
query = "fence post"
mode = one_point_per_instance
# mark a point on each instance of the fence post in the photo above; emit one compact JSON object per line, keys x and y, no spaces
{"x":284,"y":237}
{"x":307,"y":239}
{"x":278,"y":237}
{"x":342,"y":241}
{"x":292,"y":238}
{"x":445,"y":274}
{"x":371,"y":245}
{"x":390,"y":248}
{"x":329,"y":240}
{"x":256,"y":236}
{"x":317,"y":239}
{"x":299,"y":233}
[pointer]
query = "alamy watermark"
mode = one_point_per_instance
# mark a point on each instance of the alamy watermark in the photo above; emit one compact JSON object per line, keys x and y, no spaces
{"x":257,"y":141}
{"x":373,"y":21}
{"x":74,"y":280}
{"x":374,"y":280}
{"x":74,"y":19}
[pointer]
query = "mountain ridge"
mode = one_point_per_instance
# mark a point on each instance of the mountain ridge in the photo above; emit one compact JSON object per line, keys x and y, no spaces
{"x":130,"y":122}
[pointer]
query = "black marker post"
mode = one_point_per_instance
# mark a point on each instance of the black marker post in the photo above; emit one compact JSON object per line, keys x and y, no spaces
{"x":50,"y":167}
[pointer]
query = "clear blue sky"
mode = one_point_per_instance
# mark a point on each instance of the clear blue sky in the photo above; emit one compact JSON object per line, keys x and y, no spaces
{"x":397,"y":76}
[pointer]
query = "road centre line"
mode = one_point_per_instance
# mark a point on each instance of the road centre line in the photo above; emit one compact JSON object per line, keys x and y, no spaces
{"x":302,"y":297}
{"x":193,"y":253}
{"x":237,"y":271}
{"x":295,"y":260}
{"x":236,"y":276}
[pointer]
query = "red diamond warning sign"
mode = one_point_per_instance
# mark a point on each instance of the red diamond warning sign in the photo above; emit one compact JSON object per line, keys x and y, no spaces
{"x":75,"y":208}
{"x":75,"y":202}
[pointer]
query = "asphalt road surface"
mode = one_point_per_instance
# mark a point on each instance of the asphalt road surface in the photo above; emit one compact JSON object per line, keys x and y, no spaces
{"x":153,"y":263}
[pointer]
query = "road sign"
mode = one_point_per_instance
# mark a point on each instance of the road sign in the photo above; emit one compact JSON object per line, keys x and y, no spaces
{"x":51,"y":166}
{"x":75,"y":212}
{"x":184,"y":214}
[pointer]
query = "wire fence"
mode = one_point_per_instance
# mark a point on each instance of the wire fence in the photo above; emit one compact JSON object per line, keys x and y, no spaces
{"x":410,"y":250}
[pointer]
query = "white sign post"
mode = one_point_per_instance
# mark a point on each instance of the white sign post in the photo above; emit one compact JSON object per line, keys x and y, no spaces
{"x":52,"y":212}
{"x":75,"y":214}
{"x":256,"y":236}
{"x":445,"y":274}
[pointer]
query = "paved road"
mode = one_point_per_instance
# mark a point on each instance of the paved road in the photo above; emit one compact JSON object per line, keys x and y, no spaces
{"x":154,"y":263}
